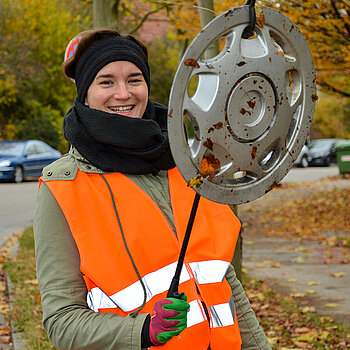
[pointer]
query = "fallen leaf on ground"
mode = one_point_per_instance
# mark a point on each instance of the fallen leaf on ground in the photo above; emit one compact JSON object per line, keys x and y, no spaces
{"x":332,"y":305}
{"x":300,"y":259}
{"x":313,"y":283}
{"x":298,"y":295}
{"x":306,"y":309}
{"x":337,"y":274}
{"x":35,"y":281}
{"x":259,"y":265}
{"x":311,"y":291}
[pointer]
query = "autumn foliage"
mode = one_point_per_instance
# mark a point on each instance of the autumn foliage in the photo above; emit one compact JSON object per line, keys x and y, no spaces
{"x":34,"y":95}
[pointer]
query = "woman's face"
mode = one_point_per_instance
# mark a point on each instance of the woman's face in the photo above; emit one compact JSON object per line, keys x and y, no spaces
{"x":120,"y":88}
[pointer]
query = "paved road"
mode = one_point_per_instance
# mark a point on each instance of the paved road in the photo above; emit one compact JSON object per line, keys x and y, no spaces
{"x":310,"y":174}
{"x":17,"y":205}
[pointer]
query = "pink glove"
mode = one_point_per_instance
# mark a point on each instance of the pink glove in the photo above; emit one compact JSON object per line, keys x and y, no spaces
{"x":168,"y":318}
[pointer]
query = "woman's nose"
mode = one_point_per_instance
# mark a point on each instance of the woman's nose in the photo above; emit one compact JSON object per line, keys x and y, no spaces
{"x":121,"y":92}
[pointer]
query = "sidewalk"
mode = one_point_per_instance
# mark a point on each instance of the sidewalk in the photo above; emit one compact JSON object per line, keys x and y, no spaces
{"x":310,"y":272}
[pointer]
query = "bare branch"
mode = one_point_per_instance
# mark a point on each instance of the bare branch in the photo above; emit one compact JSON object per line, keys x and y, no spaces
{"x":145,"y":17}
{"x":330,"y":88}
{"x":172,"y":3}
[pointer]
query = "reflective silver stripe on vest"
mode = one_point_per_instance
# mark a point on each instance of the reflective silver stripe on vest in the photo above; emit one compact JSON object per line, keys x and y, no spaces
{"x":221,"y":315}
{"x":96,"y":299}
{"x":156,"y":282}
{"x":196,"y":314}
{"x":211,"y":271}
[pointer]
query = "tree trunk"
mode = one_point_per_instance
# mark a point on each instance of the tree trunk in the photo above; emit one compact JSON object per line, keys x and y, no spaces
{"x":206,"y":13}
{"x":104,"y":13}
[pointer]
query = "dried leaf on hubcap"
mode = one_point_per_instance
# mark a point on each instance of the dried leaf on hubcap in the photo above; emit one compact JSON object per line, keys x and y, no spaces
{"x":210,"y":166}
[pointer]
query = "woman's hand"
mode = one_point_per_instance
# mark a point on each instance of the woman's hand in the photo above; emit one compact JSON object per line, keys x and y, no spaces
{"x":168,"y":318}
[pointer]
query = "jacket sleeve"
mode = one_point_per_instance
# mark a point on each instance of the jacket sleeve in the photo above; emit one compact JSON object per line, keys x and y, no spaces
{"x":253,"y":337}
{"x":67,"y":319}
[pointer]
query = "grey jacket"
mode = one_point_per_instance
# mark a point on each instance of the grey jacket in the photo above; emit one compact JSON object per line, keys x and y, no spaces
{"x":67,"y":319}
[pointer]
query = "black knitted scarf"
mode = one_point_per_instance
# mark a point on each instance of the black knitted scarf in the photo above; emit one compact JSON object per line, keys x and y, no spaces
{"x":114,"y":142}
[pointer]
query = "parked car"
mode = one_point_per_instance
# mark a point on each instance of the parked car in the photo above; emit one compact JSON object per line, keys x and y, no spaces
{"x":303,"y":158}
{"x":21,"y":159}
{"x":322,"y":151}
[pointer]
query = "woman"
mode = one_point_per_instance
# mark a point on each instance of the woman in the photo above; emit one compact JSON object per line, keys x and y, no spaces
{"x":111,"y":216}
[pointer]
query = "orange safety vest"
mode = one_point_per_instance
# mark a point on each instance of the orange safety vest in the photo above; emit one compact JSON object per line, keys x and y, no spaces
{"x":112,"y":283}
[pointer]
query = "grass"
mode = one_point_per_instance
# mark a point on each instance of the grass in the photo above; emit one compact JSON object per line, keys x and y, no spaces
{"x":26,"y":314}
{"x":288,"y":324}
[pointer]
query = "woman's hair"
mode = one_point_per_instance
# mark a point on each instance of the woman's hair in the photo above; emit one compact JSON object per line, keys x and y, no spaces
{"x":86,"y":39}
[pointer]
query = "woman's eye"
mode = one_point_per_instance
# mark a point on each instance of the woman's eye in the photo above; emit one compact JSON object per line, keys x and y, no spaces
{"x":135,"y":81}
{"x":106,"y":82}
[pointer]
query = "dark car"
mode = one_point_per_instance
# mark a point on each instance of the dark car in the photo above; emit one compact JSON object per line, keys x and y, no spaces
{"x":322,"y":151}
{"x":21,"y":159}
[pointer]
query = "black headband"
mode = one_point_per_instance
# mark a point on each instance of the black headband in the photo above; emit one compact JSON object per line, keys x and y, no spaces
{"x":102,"y":52}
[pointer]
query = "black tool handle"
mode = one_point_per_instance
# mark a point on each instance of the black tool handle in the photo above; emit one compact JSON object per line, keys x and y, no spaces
{"x":174,"y":286}
{"x":249,"y":30}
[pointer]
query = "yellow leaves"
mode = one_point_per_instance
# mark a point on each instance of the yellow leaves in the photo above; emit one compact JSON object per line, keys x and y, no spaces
{"x":35,"y":281}
{"x":276,"y":265}
{"x":331,"y":241}
{"x":301,"y":295}
{"x":313,"y":283}
{"x":4,"y":308}
{"x":332,"y":305}
{"x":307,"y":335}
{"x":260,"y":17}
{"x":195,"y":181}
{"x":258,"y":295}
{"x":308,"y":309}
{"x":311,"y":291}
{"x":298,"y":295}
{"x":269,"y":263}
{"x":338,"y":274}
{"x":300,"y":259}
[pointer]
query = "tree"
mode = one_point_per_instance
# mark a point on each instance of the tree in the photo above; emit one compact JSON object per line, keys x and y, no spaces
{"x":105,"y":13}
{"x":326,"y":26}
{"x":33,"y":37}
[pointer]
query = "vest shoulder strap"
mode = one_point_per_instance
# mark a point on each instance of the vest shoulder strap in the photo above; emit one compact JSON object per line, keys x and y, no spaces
{"x":64,"y":168}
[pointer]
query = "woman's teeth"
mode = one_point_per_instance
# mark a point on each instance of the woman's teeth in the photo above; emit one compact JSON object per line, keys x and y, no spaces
{"x":121,"y":109}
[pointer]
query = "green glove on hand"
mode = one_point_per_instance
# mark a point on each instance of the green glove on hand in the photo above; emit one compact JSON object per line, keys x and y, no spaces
{"x":168,"y":318}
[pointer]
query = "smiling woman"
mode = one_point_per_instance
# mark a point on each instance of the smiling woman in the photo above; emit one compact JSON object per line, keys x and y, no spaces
{"x":110,"y":221}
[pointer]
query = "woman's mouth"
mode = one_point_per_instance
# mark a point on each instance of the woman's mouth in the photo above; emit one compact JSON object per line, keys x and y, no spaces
{"x":121,"y":109}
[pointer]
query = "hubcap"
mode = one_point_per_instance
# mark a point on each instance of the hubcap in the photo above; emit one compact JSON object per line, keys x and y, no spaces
{"x":242,"y":129}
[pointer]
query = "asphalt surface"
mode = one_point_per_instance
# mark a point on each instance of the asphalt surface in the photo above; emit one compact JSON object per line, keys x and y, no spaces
{"x":308,"y":271}
{"x":310,"y":173}
{"x":17,"y":205}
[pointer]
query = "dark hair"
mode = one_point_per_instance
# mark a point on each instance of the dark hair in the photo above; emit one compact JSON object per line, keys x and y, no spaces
{"x":87,"y":38}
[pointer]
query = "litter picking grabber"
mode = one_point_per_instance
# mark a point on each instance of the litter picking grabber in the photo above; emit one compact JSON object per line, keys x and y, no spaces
{"x":239,"y":133}
{"x":173,"y":290}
